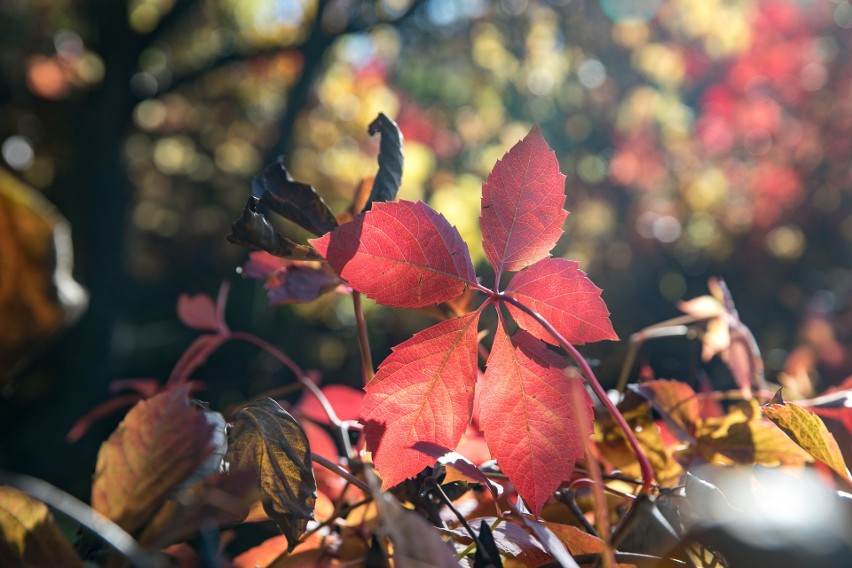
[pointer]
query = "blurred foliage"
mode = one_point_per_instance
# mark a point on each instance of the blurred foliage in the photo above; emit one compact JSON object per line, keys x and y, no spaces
{"x":700,"y":137}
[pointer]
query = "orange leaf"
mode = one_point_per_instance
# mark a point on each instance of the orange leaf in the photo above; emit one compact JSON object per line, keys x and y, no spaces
{"x":160,"y":443}
{"x":28,"y":534}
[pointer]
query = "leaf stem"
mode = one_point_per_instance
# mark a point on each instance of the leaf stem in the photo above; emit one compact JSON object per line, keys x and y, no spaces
{"x":363,"y":338}
{"x":440,"y":491}
{"x":644,"y":464}
{"x":334,"y":468}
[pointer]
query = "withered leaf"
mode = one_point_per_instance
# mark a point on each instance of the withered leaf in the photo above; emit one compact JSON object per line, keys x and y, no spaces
{"x":808,"y":431}
{"x":266,"y":440}
{"x":38,"y":294}
{"x":389,"y":177}
{"x":293,"y":200}
{"x":253,"y":230}
{"x":219,"y":500}
{"x":613,"y":445}
{"x":510,"y":538}
{"x":743,"y":437}
{"x":29,"y":535}
{"x":160,"y":443}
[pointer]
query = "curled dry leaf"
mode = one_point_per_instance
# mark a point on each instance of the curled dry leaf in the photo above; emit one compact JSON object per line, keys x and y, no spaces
{"x":266,"y":440}
{"x":252,"y":230}
{"x":808,"y":431}
{"x":30,"y":537}
{"x":293,"y":200}
{"x":389,"y":177}
{"x":160,"y":443}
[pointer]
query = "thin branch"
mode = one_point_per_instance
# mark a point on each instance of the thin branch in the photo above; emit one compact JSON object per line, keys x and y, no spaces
{"x":108,"y":531}
{"x":440,"y":490}
{"x":333,"y":467}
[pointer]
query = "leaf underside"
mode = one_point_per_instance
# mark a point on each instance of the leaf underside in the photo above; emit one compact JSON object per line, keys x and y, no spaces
{"x":403,"y":255}
{"x":253,"y":230}
{"x":389,"y":177}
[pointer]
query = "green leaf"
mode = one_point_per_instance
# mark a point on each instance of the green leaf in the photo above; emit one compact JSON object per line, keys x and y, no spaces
{"x":28,"y":534}
{"x":266,"y":440}
{"x":808,"y":431}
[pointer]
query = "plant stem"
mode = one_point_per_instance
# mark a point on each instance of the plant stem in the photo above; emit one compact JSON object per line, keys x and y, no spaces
{"x":462,"y":520}
{"x":363,"y":339}
{"x":638,"y":339}
{"x":333,"y":467}
{"x":589,"y":375}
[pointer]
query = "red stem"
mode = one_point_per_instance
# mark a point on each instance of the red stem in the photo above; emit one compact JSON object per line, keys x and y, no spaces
{"x":363,"y":339}
{"x":586,"y":370}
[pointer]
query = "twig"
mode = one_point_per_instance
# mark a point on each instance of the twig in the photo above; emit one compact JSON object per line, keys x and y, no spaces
{"x":440,"y":490}
{"x":333,"y":467}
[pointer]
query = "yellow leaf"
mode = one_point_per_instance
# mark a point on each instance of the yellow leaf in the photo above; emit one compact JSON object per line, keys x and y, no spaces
{"x":28,"y":534}
{"x":808,"y":431}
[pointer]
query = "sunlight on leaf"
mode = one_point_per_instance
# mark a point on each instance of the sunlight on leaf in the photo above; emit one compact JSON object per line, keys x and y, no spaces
{"x":808,"y":431}
{"x":266,"y":440}
{"x":28,"y":534}
{"x":160,"y":443}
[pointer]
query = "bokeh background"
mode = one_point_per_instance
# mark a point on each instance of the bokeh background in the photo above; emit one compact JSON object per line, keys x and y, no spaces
{"x":699,"y":137}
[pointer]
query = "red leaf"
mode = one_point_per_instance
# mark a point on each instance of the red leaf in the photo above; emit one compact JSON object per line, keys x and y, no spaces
{"x":345,"y":401}
{"x":558,"y":290}
{"x":198,"y":312}
{"x":533,"y":415}
{"x":522,"y":205}
{"x":403,"y":255}
{"x":423,"y":392}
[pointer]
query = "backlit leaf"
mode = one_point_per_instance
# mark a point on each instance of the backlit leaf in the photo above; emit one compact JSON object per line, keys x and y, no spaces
{"x":252,"y":230}
{"x":533,"y":413}
{"x":293,"y":200}
{"x":423,"y":392}
{"x":156,"y":448}
{"x":28,"y":534}
{"x":389,"y":177}
{"x":345,"y":400}
{"x":808,"y":431}
{"x":266,"y":440}
{"x":743,"y":437}
{"x":522,"y":205}
{"x":674,"y":400}
{"x":402,"y":254}
{"x":558,"y":290}
{"x":38,"y":294}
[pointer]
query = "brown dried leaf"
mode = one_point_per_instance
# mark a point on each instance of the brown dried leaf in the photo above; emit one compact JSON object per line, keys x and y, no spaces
{"x":743,"y":437}
{"x":38,"y":294}
{"x":160,"y":443}
{"x":252,"y":230}
{"x":808,"y":431}
{"x":28,"y":534}
{"x":293,"y":200}
{"x":266,"y":440}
